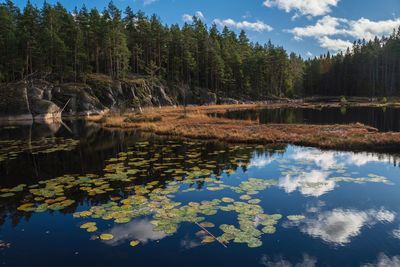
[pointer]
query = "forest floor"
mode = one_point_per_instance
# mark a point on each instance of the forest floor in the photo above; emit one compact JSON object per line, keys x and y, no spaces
{"x":194,"y":122}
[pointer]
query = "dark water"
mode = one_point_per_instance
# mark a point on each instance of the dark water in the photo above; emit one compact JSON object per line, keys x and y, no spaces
{"x":384,"y":119}
{"x":155,"y":190}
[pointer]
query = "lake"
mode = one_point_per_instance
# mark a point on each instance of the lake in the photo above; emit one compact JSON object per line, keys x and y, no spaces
{"x":78,"y":195}
{"x":384,"y":119}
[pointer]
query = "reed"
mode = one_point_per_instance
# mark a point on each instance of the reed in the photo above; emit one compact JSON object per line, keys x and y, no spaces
{"x":197,"y":124}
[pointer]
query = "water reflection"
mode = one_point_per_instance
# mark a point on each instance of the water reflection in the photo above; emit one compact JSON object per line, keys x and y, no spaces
{"x":314,"y":172}
{"x":384,"y":261}
{"x":308,"y":261}
{"x":384,"y":119}
{"x":339,"y":226}
{"x":189,"y":243}
{"x":140,"y":229}
{"x":314,"y":183}
{"x":144,"y":187}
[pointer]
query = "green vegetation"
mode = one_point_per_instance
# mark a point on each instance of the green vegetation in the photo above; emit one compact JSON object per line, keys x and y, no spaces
{"x":52,"y":43}
{"x":145,"y":180}
{"x":369,"y":68}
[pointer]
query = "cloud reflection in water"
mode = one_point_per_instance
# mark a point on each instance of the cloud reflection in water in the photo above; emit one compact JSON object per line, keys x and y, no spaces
{"x":340,"y":226}
{"x":141,"y":230}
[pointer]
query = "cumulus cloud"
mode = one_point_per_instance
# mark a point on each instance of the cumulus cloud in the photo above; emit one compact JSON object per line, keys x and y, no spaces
{"x":334,"y":45}
{"x":308,"y":261}
{"x":334,"y":33}
{"x":367,"y":29}
{"x":327,"y":160}
{"x":189,"y":18}
{"x":384,"y":261}
{"x":258,"y":26}
{"x":340,"y":226}
{"x":304,"y":7}
{"x":314,"y":183}
{"x":323,"y":159}
{"x":360,"y":159}
{"x":324,"y":27}
{"x":260,"y":162}
{"x":141,"y":230}
{"x":318,"y":179}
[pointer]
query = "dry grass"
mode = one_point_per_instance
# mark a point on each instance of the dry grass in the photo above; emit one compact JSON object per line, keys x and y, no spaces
{"x":195,"y":123}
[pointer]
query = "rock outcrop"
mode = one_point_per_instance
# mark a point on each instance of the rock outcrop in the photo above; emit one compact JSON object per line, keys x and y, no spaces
{"x":27,"y":101}
{"x":41,"y":100}
{"x":14,"y":104}
{"x":199,"y":96}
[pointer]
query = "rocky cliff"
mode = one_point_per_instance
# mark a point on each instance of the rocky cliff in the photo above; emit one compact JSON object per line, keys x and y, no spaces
{"x":41,"y":100}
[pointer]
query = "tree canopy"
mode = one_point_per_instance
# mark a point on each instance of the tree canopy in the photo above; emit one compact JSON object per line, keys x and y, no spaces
{"x":65,"y":46}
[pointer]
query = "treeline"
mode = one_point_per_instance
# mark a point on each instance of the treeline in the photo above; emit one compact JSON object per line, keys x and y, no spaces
{"x":64,"y":46}
{"x":369,"y":69}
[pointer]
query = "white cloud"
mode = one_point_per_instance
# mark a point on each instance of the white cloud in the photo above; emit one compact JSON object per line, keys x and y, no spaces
{"x":199,"y":14}
{"x":323,"y":159}
{"x":360,"y":159}
{"x":309,"y":54}
{"x":141,"y":230}
{"x":308,"y":261}
{"x":384,"y":261}
{"x":334,"y":45}
{"x":367,"y":29}
{"x":340,"y":226}
{"x":189,"y":18}
{"x":258,"y":26}
{"x":303,"y":7}
{"x":314,"y":183}
{"x":328,"y":29}
{"x":324,"y":27}
{"x":260,"y":162}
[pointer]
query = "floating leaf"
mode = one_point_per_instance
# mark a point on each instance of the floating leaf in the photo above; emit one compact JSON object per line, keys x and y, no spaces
{"x":106,"y":237}
{"x":227,"y":199}
{"x":134,"y":243}
{"x":296,"y":217}
{"x":88,"y":225}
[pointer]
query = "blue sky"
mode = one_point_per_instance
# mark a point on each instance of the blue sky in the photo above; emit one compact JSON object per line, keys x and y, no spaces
{"x":307,"y":27}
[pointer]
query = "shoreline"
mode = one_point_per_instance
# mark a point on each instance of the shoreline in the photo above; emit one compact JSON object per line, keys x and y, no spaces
{"x":196,"y":124}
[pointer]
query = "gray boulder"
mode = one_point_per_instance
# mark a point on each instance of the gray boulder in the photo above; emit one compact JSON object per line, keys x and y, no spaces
{"x":14,"y":104}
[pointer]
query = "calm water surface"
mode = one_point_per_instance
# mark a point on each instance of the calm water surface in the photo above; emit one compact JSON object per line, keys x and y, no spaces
{"x":77,"y":195}
{"x":384,"y":119}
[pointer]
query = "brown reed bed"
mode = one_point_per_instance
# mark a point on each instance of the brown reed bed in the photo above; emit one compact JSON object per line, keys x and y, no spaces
{"x":193,"y":122}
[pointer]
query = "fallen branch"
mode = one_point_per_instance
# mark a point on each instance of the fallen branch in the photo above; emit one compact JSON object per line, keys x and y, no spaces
{"x":62,"y":110}
{"x":205,"y":230}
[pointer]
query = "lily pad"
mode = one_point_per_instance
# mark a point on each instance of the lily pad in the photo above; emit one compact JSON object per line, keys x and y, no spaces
{"x":134,"y":243}
{"x":106,"y":237}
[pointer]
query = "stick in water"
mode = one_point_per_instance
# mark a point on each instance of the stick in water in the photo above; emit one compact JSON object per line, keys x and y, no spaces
{"x":205,"y":230}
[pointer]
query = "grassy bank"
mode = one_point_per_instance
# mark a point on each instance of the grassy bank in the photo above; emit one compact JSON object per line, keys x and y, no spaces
{"x":195,"y":123}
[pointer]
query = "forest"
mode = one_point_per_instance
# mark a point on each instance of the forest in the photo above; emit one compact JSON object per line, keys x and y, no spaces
{"x":63,"y":46}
